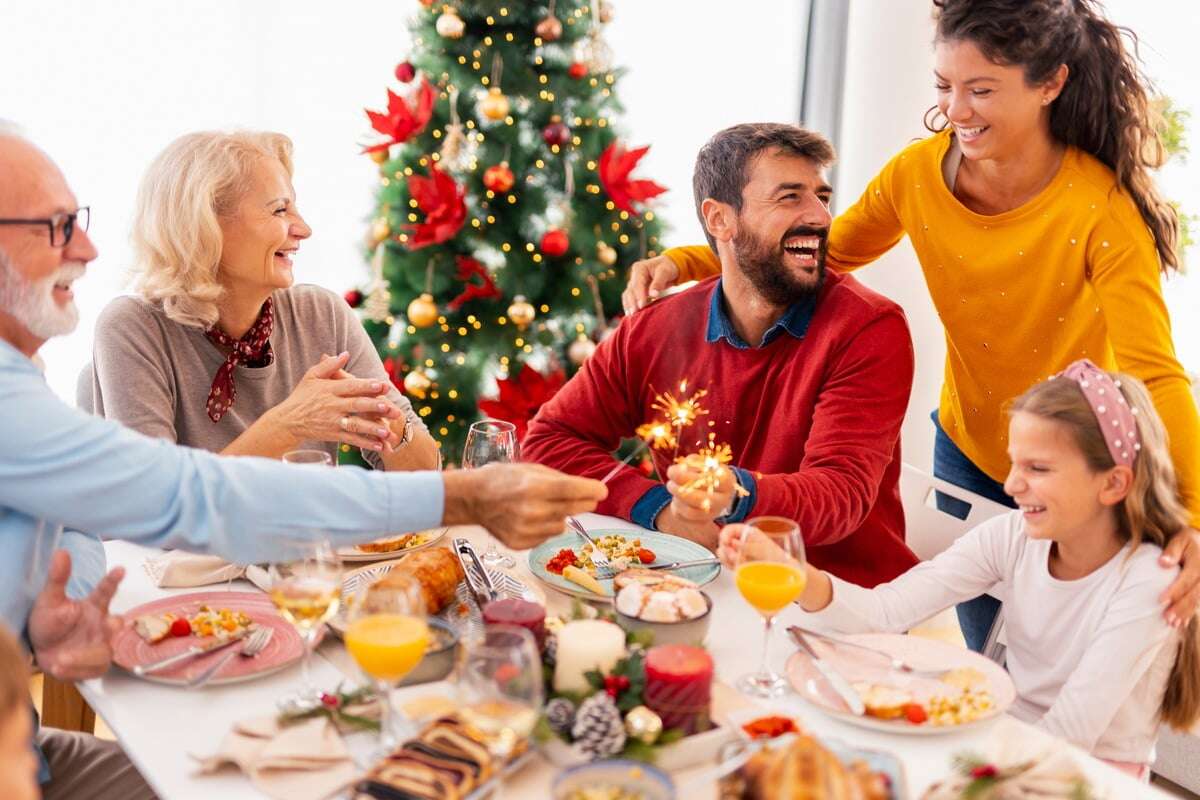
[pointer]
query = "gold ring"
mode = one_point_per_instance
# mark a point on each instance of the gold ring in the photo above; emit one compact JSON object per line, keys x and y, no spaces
{"x":344,"y":423}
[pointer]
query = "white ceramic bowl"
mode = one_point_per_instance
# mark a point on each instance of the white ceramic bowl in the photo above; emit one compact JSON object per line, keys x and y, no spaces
{"x":688,"y":631}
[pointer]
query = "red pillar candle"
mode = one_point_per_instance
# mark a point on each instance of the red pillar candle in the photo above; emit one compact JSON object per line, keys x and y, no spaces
{"x":522,"y":613}
{"x":679,"y":686}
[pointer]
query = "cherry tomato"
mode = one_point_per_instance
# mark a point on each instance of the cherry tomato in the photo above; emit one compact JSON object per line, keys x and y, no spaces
{"x":646,"y":556}
{"x":915,"y":713}
{"x":181,"y":627}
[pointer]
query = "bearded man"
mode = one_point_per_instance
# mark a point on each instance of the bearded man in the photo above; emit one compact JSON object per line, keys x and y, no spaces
{"x":807,"y":374}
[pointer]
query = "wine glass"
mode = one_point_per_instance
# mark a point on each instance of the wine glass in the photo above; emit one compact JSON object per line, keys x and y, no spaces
{"x":500,"y":687}
{"x":387,"y":636}
{"x":492,"y":441}
{"x":770,"y":575}
{"x":317,"y":457}
{"x":306,"y":586}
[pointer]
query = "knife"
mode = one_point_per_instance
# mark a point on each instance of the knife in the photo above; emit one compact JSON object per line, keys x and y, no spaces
{"x":192,"y":652}
{"x":699,"y":562}
{"x":836,"y":681}
{"x":487,"y":592}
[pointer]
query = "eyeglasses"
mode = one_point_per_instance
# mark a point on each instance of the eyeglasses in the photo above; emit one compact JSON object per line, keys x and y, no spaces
{"x":62,"y":226}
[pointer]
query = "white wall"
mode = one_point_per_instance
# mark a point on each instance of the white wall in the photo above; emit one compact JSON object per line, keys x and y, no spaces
{"x":104,"y":86}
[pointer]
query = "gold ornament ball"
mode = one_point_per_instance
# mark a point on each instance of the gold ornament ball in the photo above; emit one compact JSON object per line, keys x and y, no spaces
{"x":606,"y":254}
{"x":581,"y":350}
{"x":521,"y":312}
{"x":643,"y":724}
{"x":495,"y":106}
{"x":422,"y":311}
{"x":417,"y":384}
{"x":606,"y":12}
{"x":550,"y":29}
{"x":450,"y":25}
{"x":380,"y":230}
{"x":379,"y":156}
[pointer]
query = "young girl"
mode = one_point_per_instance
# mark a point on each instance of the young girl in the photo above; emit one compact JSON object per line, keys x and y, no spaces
{"x":1077,"y":569}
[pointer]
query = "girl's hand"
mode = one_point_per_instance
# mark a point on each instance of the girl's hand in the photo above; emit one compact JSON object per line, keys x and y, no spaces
{"x":736,"y":544}
{"x":1182,"y":596}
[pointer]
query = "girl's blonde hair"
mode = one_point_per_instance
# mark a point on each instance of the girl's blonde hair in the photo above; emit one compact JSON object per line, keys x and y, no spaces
{"x":177,"y":240}
{"x":1151,"y":511}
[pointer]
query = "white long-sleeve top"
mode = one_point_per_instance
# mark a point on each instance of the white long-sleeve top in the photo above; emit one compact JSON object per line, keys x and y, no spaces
{"x":1090,"y":658}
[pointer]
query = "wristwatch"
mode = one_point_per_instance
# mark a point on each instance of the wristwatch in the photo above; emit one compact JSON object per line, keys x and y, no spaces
{"x":411,"y":423}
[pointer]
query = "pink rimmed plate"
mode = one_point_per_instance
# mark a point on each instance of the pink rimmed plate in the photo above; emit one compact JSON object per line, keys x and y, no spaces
{"x":284,"y":649}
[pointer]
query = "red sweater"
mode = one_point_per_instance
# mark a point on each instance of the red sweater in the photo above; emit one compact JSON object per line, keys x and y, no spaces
{"x":815,"y":417}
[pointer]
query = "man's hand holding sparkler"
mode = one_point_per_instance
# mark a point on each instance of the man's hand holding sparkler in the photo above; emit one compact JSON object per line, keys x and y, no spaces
{"x":700,"y":492}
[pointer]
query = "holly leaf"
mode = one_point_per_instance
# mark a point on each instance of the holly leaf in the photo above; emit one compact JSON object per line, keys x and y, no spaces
{"x":670,"y":736}
{"x":637,"y":750}
{"x":595,"y":679}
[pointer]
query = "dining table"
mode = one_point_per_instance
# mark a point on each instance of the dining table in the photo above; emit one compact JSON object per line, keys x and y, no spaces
{"x":166,"y":729}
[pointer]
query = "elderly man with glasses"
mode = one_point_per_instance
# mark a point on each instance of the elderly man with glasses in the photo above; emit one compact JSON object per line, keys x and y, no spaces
{"x":62,"y":469}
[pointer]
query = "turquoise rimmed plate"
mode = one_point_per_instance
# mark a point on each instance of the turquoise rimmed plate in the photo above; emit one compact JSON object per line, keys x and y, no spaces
{"x":666,"y":548}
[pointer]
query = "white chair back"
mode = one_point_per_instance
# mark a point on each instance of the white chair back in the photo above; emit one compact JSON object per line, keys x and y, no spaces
{"x":929,"y":529}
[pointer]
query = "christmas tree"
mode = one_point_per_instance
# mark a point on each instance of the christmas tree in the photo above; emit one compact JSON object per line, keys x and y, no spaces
{"x":507,"y":211}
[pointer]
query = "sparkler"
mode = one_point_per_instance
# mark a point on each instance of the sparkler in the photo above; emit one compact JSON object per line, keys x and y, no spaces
{"x":712,"y":463}
{"x":679,"y":413}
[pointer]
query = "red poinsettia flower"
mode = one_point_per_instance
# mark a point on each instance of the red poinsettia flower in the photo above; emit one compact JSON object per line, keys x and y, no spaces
{"x":521,"y":396}
{"x":401,"y":123}
{"x":615,"y":165}
{"x":445,"y":210}
{"x":469,"y":268}
{"x":395,"y":369}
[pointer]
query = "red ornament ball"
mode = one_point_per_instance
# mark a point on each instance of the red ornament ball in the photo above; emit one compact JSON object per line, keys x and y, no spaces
{"x":556,"y":133}
{"x":499,"y":178}
{"x":405,"y":71}
{"x":354,"y":298}
{"x":555,"y":242}
{"x":577,"y":70}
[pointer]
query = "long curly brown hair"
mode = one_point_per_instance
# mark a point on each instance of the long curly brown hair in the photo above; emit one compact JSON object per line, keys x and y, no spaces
{"x":1105,"y":107}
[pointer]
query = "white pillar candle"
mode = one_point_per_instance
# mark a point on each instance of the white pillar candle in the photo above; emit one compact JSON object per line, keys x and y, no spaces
{"x":585,"y":645}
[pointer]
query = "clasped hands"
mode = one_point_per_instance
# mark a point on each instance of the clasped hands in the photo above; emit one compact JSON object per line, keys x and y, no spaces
{"x":331,"y":405}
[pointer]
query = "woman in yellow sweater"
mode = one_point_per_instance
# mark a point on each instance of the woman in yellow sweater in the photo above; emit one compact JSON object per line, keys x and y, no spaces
{"x":1040,"y":233}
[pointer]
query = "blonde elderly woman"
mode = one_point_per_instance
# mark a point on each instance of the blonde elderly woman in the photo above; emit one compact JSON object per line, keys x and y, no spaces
{"x":220,"y":349}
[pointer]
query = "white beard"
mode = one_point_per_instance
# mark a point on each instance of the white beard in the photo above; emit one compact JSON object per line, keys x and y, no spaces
{"x":32,"y":303}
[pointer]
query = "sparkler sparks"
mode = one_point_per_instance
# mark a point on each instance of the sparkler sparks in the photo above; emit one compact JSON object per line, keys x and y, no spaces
{"x":658,"y":435}
{"x":677,"y":412}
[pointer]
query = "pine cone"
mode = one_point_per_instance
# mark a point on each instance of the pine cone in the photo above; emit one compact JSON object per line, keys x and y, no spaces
{"x":598,"y":730}
{"x":560,"y":713}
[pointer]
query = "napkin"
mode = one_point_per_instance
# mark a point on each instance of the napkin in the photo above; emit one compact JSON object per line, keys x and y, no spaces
{"x":304,"y":761}
{"x":1029,"y":769}
{"x":176,"y":568}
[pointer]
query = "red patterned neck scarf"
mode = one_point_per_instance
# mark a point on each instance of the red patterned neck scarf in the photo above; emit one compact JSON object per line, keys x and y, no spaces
{"x":253,"y":349}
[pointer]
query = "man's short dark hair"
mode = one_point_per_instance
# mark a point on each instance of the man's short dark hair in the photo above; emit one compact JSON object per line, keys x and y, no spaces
{"x":723,"y":164}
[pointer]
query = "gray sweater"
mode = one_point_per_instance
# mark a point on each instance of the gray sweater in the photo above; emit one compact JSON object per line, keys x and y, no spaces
{"x":153,"y":374}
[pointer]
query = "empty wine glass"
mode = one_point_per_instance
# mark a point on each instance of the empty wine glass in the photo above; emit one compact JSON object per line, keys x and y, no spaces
{"x":500,"y":688}
{"x":318,"y":457}
{"x":306,"y":586}
{"x":770,"y":575}
{"x":492,"y":441}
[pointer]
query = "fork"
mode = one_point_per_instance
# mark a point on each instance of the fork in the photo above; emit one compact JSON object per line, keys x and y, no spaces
{"x":599,"y":559}
{"x":252,"y":646}
{"x":897,"y":664}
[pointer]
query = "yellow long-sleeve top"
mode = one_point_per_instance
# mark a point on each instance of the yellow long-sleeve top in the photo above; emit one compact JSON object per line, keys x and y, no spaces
{"x":1072,"y":273}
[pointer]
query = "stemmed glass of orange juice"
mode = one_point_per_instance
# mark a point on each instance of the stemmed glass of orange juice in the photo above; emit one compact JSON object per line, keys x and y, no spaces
{"x":387,"y":636}
{"x":769,"y":575}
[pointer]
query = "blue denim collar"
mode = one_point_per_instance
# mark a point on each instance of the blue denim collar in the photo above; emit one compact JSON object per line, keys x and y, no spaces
{"x":794,"y":321}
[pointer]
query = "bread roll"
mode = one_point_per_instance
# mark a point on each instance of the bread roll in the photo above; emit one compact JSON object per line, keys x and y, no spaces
{"x":438,"y":572}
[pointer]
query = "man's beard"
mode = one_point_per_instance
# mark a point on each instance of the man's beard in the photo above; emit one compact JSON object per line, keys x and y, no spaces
{"x":31,"y":303}
{"x":762,"y":264}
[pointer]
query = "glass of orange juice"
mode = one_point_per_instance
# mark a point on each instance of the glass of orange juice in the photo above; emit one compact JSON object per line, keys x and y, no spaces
{"x":387,"y":636}
{"x":770,"y":576}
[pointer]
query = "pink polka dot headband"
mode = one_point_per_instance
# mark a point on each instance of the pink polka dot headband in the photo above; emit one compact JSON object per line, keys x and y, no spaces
{"x":1118,"y":423}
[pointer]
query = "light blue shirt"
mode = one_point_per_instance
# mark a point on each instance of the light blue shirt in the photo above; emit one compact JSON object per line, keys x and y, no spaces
{"x":63,"y":469}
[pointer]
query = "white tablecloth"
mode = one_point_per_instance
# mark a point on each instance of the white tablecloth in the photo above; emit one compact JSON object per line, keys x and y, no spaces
{"x":160,"y":726}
